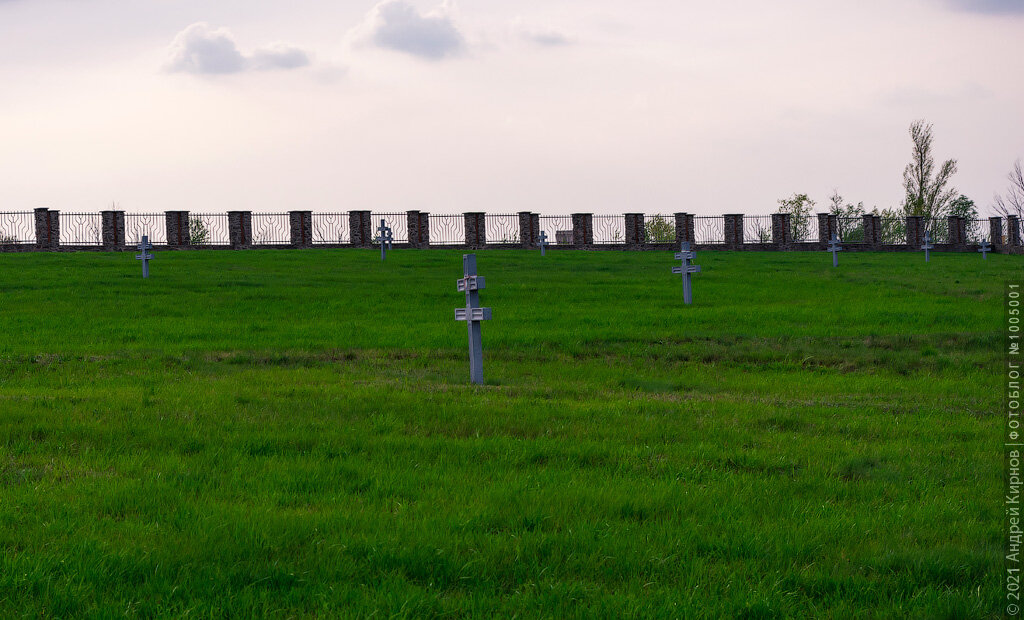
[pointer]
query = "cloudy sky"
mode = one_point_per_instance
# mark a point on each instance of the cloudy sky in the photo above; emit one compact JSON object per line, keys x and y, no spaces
{"x":556,"y":106}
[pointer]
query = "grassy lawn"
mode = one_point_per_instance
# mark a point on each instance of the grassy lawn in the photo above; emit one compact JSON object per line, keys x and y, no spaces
{"x":292,"y":433}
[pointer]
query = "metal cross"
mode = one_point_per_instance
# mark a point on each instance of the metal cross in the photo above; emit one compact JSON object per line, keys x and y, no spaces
{"x":984,"y":247}
{"x":543,"y":241}
{"x":472,"y":314}
{"x":687,"y":270}
{"x":927,"y":244}
{"x":385,"y":237}
{"x":145,"y":256}
{"x":833,"y":246}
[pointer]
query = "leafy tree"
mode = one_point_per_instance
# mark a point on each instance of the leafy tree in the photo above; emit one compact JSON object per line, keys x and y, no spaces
{"x":800,"y":208}
{"x":659,"y":230}
{"x":894,"y":225}
{"x":198,"y":232}
{"x":849,"y":216}
{"x":926,"y":191}
{"x":964,"y":207}
{"x":1013,"y":202}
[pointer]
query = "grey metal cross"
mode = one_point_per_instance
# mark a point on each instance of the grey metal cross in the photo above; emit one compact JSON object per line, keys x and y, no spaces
{"x":145,"y":256}
{"x":984,"y":247}
{"x":687,"y":270}
{"x":471,"y":284}
{"x":834,"y":247}
{"x":543,"y":241}
{"x":927,"y":244}
{"x":385,"y":237}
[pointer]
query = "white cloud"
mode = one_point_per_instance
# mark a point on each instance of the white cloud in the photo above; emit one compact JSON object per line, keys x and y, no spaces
{"x":397,"y":25}
{"x":203,"y":50}
{"x":547,"y":36}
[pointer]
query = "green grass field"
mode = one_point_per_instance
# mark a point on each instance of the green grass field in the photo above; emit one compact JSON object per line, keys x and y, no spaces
{"x":292,"y":433}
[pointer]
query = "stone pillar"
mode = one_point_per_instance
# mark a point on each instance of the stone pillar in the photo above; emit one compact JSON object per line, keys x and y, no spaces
{"x":301,"y":225}
{"x":915,"y":231}
{"x":636,"y":235}
{"x":476,"y":229}
{"x":47,"y":229}
{"x":733,"y":230}
{"x":424,"y":229}
{"x":872,"y":230}
{"x":582,"y":230}
{"x":178,"y":232}
{"x":526,"y":238}
{"x":412,"y":226}
{"x":995,"y":227}
{"x":240,"y":228}
{"x":684,"y":228}
{"x":957,"y":238}
{"x":826,"y":228}
{"x":359,"y":229}
{"x":535,"y":228}
{"x":782,"y":232}
{"x":1012,"y":230}
{"x":113,"y":229}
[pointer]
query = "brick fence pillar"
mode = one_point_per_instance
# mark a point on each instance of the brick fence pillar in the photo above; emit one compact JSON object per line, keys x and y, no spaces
{"x":47,"y":229}
{"x":733,"y":230}
{"x":956,"y":230}
{"x":872,"y":230}
{"x":582,"y":230}
{"x":300,"y":224}
{"x":240,"y":228}
{"x":418,"y":225}
{"x":526,"y":238}
{"x":178,"y":233}
{"x":1012,"y":230}
{"x":476,"y":229}
{"x":113,"y":229}
{"x":995,"y":227}
{"x":636,"y":234}
{"x":684,"y":228}
{"x":424,"y":229}
{"x":826,"y":228}
{"x":782,"y":231}
{"x":915,"y":231}
{"x":359,"y":229}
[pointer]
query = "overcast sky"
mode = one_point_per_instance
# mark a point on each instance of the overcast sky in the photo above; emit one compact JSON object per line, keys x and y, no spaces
{"x":557,"y":106}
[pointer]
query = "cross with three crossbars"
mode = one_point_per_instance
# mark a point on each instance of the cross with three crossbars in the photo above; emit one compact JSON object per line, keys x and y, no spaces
{"x":471,"y":284}
{"x":145,"y":256}
{"x":542,"y":241}
{"x":833,"y":246}
{"x":984,"y":247}
{"x":687,"y":270}
{"x":385,"y":237}
{"x":927,"y":244}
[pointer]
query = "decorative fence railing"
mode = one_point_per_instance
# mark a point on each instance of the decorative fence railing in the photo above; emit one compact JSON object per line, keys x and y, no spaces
{"x":17,"y":229}
{"x":48,"y":230}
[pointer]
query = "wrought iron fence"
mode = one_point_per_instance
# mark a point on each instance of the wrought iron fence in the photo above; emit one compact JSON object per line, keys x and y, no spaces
{"x":397,"y":222}
{"x":447,"y":229}
{"x":708,"y":229}
{"x":331,"y":228}
{"x":557,"y":228}
{"x":502,"y":228}
{"x":81,"y":229}
{"x":271,"y":229}
{"x":659,"y":228}
{"x":938,"y":229}
{"x":803,"y":228}
{"x":609,"y":229}
{"x":894,"y":230}
{"x":17,"y":228}
{"x":757,"y":229}
{"x":209,"y":229}
{"x":850,"y":229}
{"x":978,"y":231}
{"x":152,"y":225}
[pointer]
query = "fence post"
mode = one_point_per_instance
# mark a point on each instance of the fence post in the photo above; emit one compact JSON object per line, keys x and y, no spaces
{"x":684,"y":228}
{"x":1013,"y":230}
{"x":476,"y":229}
{"x":872,"y":232}
{"x":582,"y":230}
{"x":240,"y":228}
{"x":113,"y":229}
{"x":782,"y":234}
{"x":178,"y":232}
{"x":956,"y":230}
{"x":424,"y":229}
{"x":826,"y":228}
{"x":47,"y":229}
{"x":636,"y":235}
{"x":412,"y":225}
{"x":876,"y":224}
{"x":915,"y":231}
{"x":301,"y":225}
{"x":359,"y":228}
{"x":995,"y":227}
{"x":526,"y":238}
{"x":733,"y":230}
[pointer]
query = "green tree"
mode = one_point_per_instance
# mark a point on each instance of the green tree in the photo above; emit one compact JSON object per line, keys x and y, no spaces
{"x":800,"y":209}
{"x":926,"y":191}
{"x":849,"y":218}
{"x":659,"y":230}
{"x":964,"y":207}
{"x":198,"y":232}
